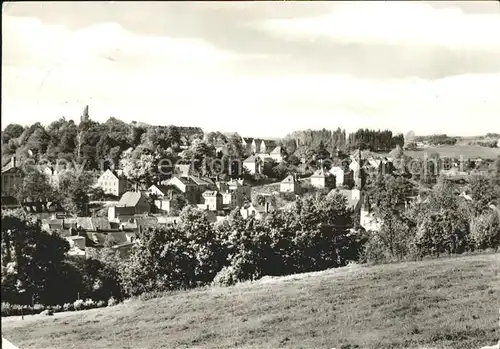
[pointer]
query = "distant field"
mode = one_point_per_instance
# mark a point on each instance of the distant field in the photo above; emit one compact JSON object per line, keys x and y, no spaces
{"x":467,"y":151}
{"x":445,"y":303}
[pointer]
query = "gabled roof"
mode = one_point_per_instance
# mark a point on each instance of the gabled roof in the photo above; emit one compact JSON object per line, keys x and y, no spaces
{"x":131,"y":198}
{"x":269,"y":143}
{"x":252,"y":158}
{"x":375,"y":163}
{"x":336,"y":168}
{"x":201,"y":180}
{"x":290,"y":179}
{"x":247,"y":139}
{"x":183,"y":180}
{"x":210,"y":193}
{"x":277,"y":150}
{"x":320,"y":173}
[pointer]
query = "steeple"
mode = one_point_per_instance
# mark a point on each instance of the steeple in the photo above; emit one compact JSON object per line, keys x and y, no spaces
{"x":366,"y":204}
{"x":359,"y":180}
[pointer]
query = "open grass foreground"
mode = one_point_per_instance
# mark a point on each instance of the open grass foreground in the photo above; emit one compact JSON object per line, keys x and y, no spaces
{"x":444,"y":303}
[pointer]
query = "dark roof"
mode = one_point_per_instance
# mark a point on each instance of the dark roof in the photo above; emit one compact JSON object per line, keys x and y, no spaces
{"x":186,"y":180}
{"x":269,"y":143}
{"x":9,"y":201}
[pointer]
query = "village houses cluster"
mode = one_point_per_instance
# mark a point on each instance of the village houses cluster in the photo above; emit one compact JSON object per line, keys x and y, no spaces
{"x":139,"y":207}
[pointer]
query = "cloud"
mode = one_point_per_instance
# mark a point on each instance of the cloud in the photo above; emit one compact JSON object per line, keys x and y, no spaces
{"x":395,"y":23}
{"x":28,"y":41}
{"x":241,"y":78}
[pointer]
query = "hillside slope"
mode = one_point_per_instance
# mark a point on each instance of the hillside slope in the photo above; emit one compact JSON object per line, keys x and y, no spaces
{"x":445,"y":303}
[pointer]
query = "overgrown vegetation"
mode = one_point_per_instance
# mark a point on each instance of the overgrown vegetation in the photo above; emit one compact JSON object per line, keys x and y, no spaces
{"x":450,"y":303}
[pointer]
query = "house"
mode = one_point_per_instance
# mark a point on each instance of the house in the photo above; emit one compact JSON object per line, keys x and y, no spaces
{"x":290,"y":185}
{"x":203,"y":183}
{"x":187,"y":186}
{"x":342,"y":177}
{"x":353,"y":197}
{"x":182,"y":170}
{"x":131,"y":203}
{"x":77,"y":245}
{"x":52,"y":175}
{"x":321,"y":179}
{"x":247,"y":142}
{"x":12,"y":178}
{"x":212,"y":200}
{"x":267,"y":145}
{"x":256,"y":211}
{"x":277,"y":154}
{"x":163,"y":197}
{"x":113,"y":183}
{"x":234,"y":192}
{"x":367,"y":219}
{"x":253,"y":164}
{"x":256,"y":143}
{"x":219,"y":146}
{"x":355,"y":165}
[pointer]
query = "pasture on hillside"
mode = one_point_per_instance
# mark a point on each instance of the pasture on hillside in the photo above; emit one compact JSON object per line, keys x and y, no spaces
{"x":456,"y":151}
{"x":443,"y":303}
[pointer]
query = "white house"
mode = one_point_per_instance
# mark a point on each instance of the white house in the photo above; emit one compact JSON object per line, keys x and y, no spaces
{"x":276,"y":154}
{"x":321,"y":179}
{"x":290,"y":185}
{"x":112,"y":183}
{"x":340,"y":175}
{"x":252,"y":164}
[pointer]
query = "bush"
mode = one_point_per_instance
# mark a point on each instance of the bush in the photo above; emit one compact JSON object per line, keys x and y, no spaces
{"x":89,"y":304}
{"x":226,"y":277}
{"x":68,"y":307}
{"x":38,"y":308}
{"x":375,"y":251}
{"x":112,"y":301}
{"x":79,"y":304}
{"x":7,"y":309}
{"x":47,"y":312}
{"x":57,"y":308}
{"x":101,"y":304}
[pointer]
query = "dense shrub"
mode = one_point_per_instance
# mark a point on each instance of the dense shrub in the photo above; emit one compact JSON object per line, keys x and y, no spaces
{"x":79,"y":304}
{"x":112,"y":302}
{"x":226,"y":277}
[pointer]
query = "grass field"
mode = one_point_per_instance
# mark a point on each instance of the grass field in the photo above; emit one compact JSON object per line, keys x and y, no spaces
{"x":444,"y":303}
{"x":455,"y":151}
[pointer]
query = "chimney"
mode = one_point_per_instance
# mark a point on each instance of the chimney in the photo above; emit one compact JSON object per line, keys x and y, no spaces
{"x":171,"y":195}
{"x":13,"y":161}
{"x":136,"y":186}
{"x":266,"y":207}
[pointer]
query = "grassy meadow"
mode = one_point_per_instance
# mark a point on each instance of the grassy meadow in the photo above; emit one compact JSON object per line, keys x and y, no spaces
{"x":455,"y":151}
{"x":444,"y":303}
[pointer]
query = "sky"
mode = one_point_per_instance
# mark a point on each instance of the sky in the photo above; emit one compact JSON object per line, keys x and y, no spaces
{"x":256,"y":68}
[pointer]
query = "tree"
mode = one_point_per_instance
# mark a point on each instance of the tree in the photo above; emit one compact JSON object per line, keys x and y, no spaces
{"x":140,"y":165}
{"x":203,"y":243}
{"x":11,"y":131}
{"x":31,"y":260}
{"x":483,"y":193}
{"x":160,"y":261}
{"x":74,"y":189}
{"x":485,"y":230}
{"x":35,"y":187}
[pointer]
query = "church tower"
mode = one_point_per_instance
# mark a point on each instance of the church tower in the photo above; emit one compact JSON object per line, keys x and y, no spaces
{"x":359,"y":181}
{"x":85,"y":114}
